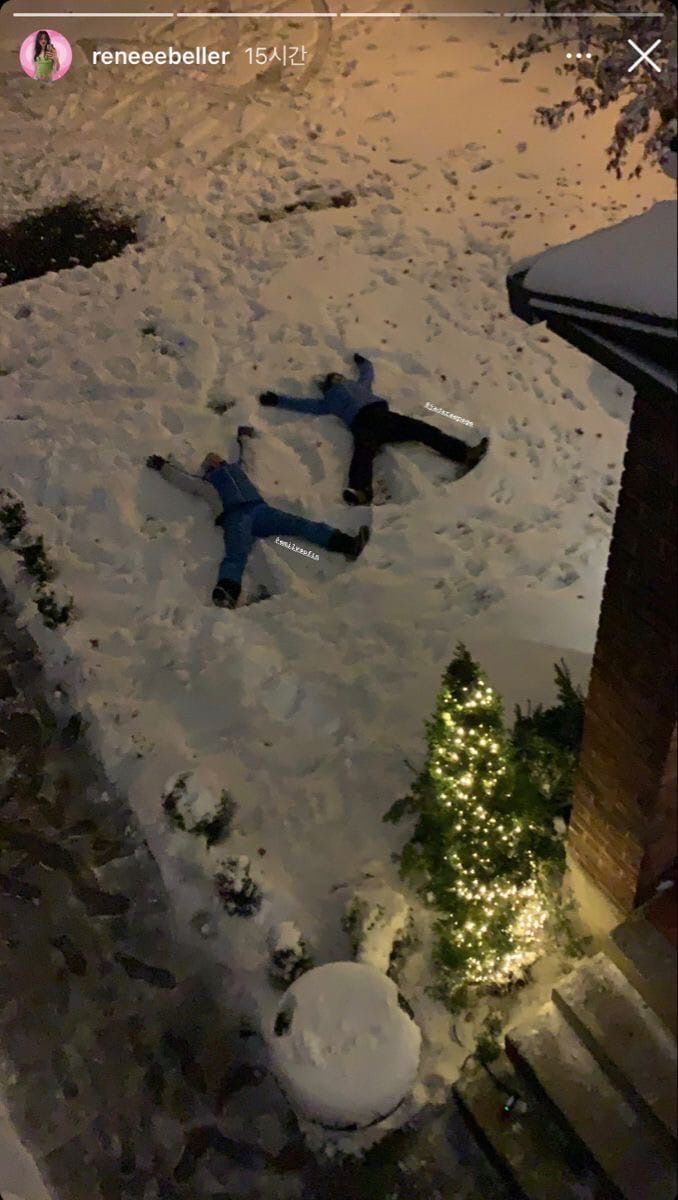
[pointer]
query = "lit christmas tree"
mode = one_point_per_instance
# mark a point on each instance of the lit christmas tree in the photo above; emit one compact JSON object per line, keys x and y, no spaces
{"x":475,"y":848}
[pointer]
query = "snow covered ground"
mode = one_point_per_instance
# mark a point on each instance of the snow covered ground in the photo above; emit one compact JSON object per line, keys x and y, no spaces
{"x":17,"y":1169}
{"x":305,"y":706}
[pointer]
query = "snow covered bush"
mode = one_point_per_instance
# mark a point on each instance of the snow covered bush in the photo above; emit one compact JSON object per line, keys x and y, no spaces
{"x":378,"y":921}
{"x":52,"y":611}
{"x":344,"y":1051}
{"x":33,"y":554}
{"x":289,"y":954}
{"x":12,"y":516}
{"x":240,"y":895}
{"x":646,"y":98}
{"x":35,"y":560}
{"x":195,"y":804}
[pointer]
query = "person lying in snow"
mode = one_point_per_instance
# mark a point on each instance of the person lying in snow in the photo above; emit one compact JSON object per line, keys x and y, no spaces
{"x":373,"y":425}
{"x":244,"y":515}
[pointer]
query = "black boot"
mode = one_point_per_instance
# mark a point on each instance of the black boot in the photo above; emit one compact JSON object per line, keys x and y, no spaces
{"x":351,"y":545}
{"x":355,"y":496}
{"x":475,"y":454}
{"x":226,"y":593}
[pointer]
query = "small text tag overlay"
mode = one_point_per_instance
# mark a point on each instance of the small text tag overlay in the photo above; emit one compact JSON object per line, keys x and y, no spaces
{"x":198,"y":56}
{"x":444,"y":413}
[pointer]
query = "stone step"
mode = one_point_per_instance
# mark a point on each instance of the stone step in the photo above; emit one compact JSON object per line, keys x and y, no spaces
{"x":628,"y":1148}
{"x":623,"y":1034}
{"x":648,"y":960}
{"x":537,"y":1158}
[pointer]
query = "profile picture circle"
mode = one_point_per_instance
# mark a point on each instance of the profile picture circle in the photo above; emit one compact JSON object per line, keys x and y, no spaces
{"x":46,"y":55}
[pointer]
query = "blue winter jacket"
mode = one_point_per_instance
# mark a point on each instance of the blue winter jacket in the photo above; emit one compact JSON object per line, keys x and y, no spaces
{"x":233,"y":485}
{"x":343,"y":400}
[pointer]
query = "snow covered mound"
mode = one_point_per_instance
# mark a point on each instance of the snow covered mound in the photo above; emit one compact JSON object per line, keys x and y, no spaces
{"x":344,"y":1051}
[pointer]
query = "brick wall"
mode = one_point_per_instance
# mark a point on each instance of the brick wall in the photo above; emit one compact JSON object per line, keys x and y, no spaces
{"x":663,"y":826}
{"x":624,"y":816}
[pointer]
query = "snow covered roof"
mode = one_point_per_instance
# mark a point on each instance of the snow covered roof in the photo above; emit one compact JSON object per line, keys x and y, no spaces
{"x":613,"y":293}
{"x":631,"y":266}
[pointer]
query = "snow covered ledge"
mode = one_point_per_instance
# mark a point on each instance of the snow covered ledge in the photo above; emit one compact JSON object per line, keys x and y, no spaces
{"x":344,"y":1050}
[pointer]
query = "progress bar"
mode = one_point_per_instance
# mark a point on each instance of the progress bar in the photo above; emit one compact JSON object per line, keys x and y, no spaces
{"x":61,"y":15}
{"x":371,"y":16}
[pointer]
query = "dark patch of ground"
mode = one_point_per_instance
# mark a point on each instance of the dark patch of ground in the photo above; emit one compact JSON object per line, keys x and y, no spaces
{"x":312,"y":204}
{"x":73,"y":234}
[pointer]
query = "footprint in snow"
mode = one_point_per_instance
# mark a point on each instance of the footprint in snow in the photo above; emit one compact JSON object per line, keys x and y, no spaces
{"x":311,"y":462}
{"x":172,"y":421}
{"x":483,"y":514}
{"x":545,"y":516}
{"x":475,"y":567}
{"x":120,"y":367}
{"x":485,"y":597}
{"x":503,"y":493}
{"x":568,"y":394}
{"x":605,"y":503}
{"x":410,"y":363}
{"x":188,"y":381}
{"x":566,"y":577}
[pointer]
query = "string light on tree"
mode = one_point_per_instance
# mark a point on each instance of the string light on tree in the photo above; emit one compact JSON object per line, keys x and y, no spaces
{"x":476,"y":857}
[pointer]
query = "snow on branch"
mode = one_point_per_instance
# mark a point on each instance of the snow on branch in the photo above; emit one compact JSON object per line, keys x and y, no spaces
{"x":377,"y":920}
{"x":646,"y":98}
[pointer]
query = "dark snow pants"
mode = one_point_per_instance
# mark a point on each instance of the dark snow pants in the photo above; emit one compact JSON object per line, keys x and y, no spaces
{"x":377,"y":425}
{"x":244,"y":524}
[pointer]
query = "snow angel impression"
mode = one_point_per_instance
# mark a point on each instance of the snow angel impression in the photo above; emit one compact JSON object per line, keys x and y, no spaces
{"x":46,"y":55}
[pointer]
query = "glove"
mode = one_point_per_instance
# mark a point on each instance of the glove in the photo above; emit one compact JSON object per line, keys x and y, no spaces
{"x":359,"y":359}
{"x":246,"y":431}
{"x":156,"y":462}
{"x":268,"y":399}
